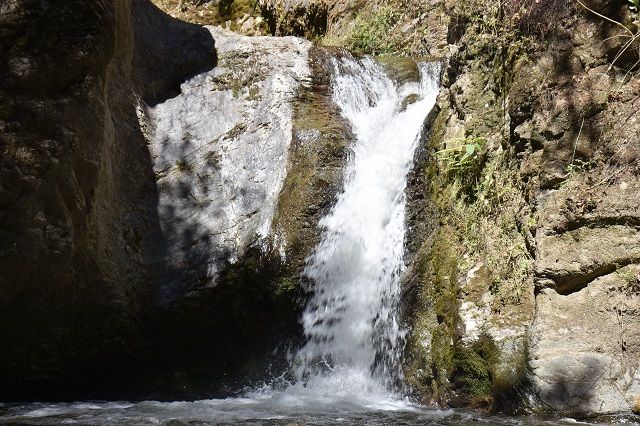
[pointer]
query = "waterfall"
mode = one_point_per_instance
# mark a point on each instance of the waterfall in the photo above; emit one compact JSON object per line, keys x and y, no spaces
{"x":347,"y":367}
{"x":354,"y":338}
{"x":220,"y":157}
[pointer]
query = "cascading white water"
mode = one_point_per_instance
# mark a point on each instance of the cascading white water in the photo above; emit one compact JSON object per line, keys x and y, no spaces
{"x":351,"y":325}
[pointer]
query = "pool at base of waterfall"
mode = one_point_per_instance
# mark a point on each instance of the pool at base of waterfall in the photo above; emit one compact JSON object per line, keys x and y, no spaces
{"x":271,"y":408}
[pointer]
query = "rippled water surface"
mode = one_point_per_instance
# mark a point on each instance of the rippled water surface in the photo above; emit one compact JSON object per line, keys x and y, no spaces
{"x":265,"y":409}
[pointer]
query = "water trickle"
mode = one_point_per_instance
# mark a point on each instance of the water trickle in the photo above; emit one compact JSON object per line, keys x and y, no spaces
{"x":351,"y":322}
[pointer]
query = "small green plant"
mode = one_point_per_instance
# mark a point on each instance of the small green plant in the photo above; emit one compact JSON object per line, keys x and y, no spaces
{"x":372,"y":34}
{"x":463,"y":162}
{"x":634,"y":6}
{"x":580,"y":166}
{"x":494,"y":287}
{"x":213,"y":159}
{"x":464,"y":154}
{"x":630,"y":279}
{"x":183,"y":166}
{"x":286,"y":285}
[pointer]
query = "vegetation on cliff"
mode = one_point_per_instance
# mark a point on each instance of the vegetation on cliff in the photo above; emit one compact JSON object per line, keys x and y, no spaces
{"x":243,"y":16}
{"x":494,"y":210}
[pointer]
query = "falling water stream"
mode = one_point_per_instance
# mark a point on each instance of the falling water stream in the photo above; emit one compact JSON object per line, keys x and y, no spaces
{"x":347,"y":372}
{"x":351,"y":324}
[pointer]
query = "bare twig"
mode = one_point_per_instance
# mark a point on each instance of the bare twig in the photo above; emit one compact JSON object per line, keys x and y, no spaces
{"x":575,"y":144}
{"x":606,"y":18}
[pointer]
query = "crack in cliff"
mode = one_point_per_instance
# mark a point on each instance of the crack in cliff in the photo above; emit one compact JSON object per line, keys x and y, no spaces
{"x":596,"y":222}
{"x":573,"y":283}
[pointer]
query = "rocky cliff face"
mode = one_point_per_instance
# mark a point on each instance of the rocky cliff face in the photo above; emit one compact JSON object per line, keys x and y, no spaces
{"x":77,"y":193}
{"x":526,"y":288}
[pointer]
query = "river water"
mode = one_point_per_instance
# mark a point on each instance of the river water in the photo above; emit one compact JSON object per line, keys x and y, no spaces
{"x":267,"y":408}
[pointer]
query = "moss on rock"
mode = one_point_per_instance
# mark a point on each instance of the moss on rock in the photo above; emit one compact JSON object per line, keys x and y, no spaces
{"x":475,"y":261}
{"x":473,"y":369}
{"x":430,"y":353}
{"x":314,"y":173}
{"x":400,"y":69}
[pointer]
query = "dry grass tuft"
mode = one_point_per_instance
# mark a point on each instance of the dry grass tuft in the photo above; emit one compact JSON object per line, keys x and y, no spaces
{"x":539,"y":17}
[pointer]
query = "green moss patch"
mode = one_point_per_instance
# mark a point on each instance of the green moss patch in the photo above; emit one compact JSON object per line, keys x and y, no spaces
{"x":314,"y":169}
{"x":473,"y":369}
{"x":372,"y":32}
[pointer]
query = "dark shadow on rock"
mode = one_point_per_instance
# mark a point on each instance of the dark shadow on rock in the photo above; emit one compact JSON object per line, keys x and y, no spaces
{"x":572,"y":389}
{"x":80,"y":236}
{"x":187,"y":215}
{"x":216,"y":341}
{"x":168,"y":52}
{"x":568,"y":389}
{"x":575,"y":79}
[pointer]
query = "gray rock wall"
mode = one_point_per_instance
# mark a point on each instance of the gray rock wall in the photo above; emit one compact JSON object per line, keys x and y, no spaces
{"x":78,"y":201}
